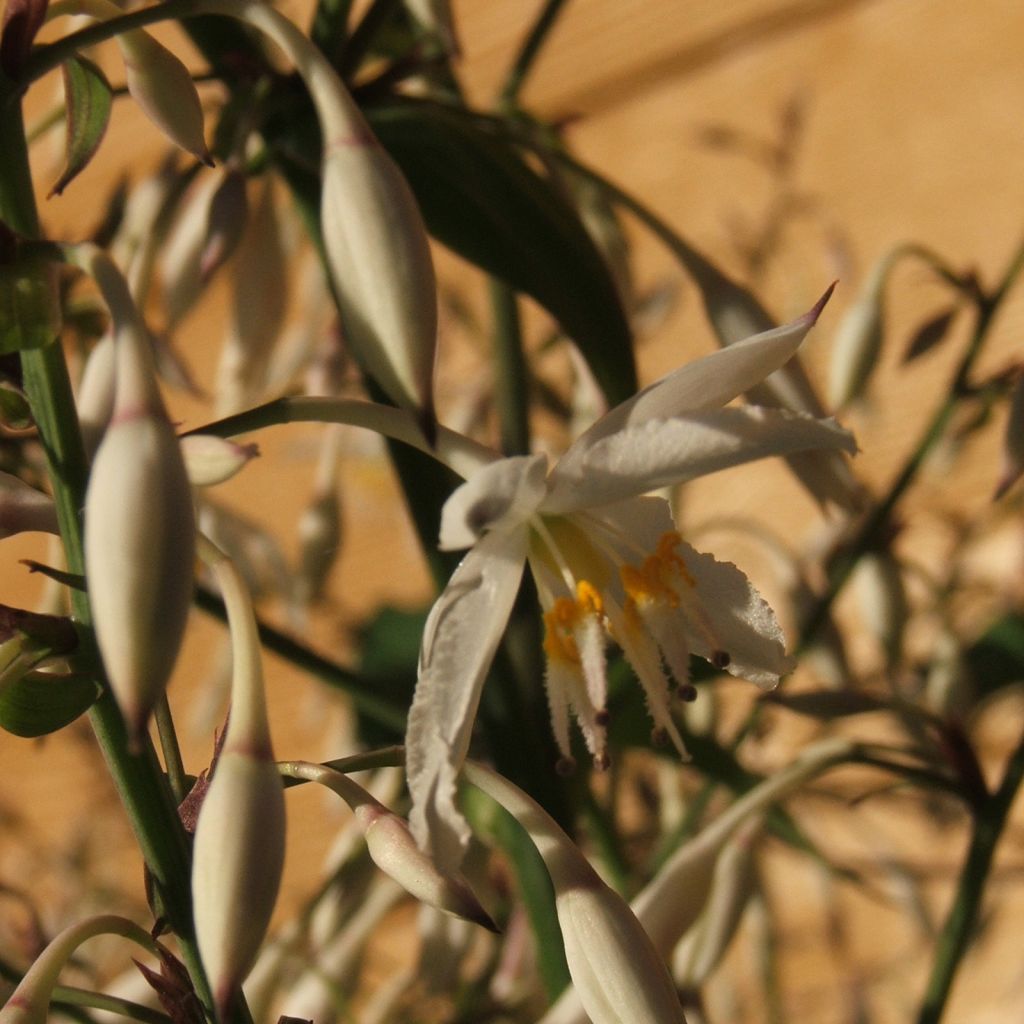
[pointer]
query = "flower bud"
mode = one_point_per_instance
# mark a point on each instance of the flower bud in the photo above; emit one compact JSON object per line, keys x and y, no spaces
{"x":211,"y":460}
{"x":380,"y":262}
{"x":29,"y":1003}
{"x":883,"y":601}
{"x":239,"y":840}
{"x":163,"y":87}
{"x":373,"y":231}
{"x":858,"y":341}
{"x":95,"y":398}
{"x":619,"y":976}
{"x":704,"y":945}
{"x":260,"y":283}
{"x":23,"y":508}
{"x":393,"y":849}
{"x":139,"y":525}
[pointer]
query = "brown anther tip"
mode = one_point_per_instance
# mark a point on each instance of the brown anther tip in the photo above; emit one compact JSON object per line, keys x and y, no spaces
{"x":602,"y":762}
{"x":565,"y":766}
{"x":721,"y":659}
{"x":686,"y":692}
{"x":601,"y":717}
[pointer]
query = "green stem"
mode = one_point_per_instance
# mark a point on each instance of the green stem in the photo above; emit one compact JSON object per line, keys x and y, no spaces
{"x":171,"y":751}
{"x":511,"y":383}
{"x":957,"y":931}
{"x":527,"y":55}
{"x":68,"y":995}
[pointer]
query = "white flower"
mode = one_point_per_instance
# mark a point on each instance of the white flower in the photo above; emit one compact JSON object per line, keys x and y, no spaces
{"x":608,"y":564}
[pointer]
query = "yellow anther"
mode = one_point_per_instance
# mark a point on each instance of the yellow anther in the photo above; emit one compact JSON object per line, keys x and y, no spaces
{"x":559,"y":644}
{"x":588,"y":600}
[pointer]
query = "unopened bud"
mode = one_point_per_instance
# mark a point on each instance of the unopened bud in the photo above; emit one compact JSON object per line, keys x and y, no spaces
{"x":239,"y":840}
{"x":163,"y":87}
{"x":883,"y":601}
{"x":24,"y":509}
{"x":228,"y":214}
{"x":95,"y":398}
{"x":139,"y":525}
{"x":858,"y":341}
{"x":373,"y":231}
{"x":393,"y":849}
{"x":211,"y":460}
{"x":619,"y":976}
{"x":707,"y":941}
{"x":29,"y":1003}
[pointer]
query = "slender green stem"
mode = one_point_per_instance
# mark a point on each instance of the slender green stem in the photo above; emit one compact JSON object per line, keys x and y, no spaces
{"x":69,"y":995}
{"x":511,"y":383}
{"x":956,"y":932}
{"x":171,"y":751}
{"x":528,"y":53}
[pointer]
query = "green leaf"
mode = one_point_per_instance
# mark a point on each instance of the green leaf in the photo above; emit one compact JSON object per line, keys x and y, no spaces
{"x":40,"y":702}
{"x":827,"y":705}
{"x":996,"y":659}
{"x":29,"y":304}
{"x":87,"y":97}
{"x":481,"y":199}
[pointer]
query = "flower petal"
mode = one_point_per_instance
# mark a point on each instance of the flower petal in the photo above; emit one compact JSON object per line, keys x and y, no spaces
{"x":707,"y":383}
{"x":502,"y":494}
{"x":459,"y":641}
{"x":662,"y":452}
{"x":742,"y":622}
{"x":726,"y":612}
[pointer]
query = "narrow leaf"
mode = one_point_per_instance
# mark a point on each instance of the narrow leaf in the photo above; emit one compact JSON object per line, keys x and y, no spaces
{"x":929,"y":334}
{"x":87,"y":98}
{"x":996,"y":659}
{"x":827,"y":705}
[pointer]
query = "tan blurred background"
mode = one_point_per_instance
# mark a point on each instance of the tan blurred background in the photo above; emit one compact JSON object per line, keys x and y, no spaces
{"x":904,"y":121}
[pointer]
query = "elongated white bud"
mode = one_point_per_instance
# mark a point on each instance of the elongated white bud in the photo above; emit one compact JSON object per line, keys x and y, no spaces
{"x":858,"y":341}
{"x":373,"y":231}
{"x":211,"y":460}
{"x":618,"y":974}
{"x":393,"y":849}
{"x":157,"y":81}
{"x":239,"y":841}
{"x":29,"y":1003}
{"x":139,"y":524}
{"x":670,"y":904}
{"x":707,"y":941}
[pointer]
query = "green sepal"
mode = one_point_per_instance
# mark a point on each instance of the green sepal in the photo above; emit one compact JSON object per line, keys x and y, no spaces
{"x":87,"y":99}
{"x":42,"y":702}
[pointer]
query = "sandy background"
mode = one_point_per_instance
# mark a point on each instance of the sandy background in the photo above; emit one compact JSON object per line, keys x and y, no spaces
{"x":910,"y":129}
